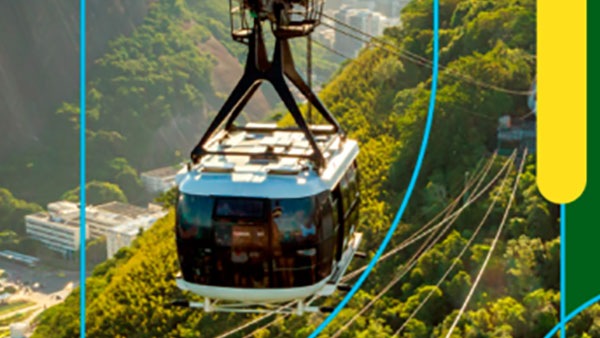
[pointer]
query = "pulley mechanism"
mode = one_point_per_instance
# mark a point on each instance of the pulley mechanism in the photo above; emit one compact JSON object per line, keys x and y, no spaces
{"x":288,"y":18}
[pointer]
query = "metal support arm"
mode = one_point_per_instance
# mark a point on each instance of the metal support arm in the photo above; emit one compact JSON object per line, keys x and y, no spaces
{"x":258,"y":69}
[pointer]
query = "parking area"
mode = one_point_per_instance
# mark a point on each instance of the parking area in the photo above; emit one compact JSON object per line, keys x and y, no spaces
{"x":43,"y":279}
{"x":35,"y":289}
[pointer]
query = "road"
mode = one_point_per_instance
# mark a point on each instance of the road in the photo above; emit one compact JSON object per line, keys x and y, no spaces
{"x":55,"y":286}
{"x":52,"y":279}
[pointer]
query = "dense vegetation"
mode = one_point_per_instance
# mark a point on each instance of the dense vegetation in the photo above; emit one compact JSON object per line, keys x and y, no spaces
{"x":12,"y":213}
{"x":385,"y":109}
{"x":149,"y":98}
{"x":40,"y":67}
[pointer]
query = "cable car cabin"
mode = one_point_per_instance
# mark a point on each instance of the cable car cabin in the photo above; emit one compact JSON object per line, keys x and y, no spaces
{"x":266,"y":229}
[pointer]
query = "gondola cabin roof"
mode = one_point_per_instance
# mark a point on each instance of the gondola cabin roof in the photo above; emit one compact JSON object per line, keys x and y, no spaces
{"x":265,"y":170}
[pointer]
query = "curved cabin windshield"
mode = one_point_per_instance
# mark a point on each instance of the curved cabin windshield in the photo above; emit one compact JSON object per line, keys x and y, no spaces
{"x":250,"y":242}
{"x":194,"y":236}
{"x":295,"y":241}
{"x":194,"y":217}
{"x":295,"y":220}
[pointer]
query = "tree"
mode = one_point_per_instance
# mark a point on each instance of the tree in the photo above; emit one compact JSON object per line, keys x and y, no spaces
{"x":13,"y":212}
{"x":97,"y":193}
{"x":542,"y":311}
{"x":168,"y":198}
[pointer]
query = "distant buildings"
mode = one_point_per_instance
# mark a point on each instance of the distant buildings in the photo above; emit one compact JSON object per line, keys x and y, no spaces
{"x":517,"y":134}
{"x":371,"y":17}
{"x":18,"y":330}
{"x":126,"y":222}
{"x":391,"y":8}
{"x":59,"y":227}
{"x":159,"y":180}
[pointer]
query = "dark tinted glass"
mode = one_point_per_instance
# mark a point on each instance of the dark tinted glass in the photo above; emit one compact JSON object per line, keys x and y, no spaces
{"x":255,"y":243}
{"x":194,"y":217}
{"x":294,"y":249}
{"x":295,"y":220}
{"x":239,"y":208}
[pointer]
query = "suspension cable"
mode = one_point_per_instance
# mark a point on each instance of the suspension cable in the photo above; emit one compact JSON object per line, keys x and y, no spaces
{"x":412,"y":262}
{"x":334,"y":51}
{"x":256,"y":320}
{"x":479,"y":178}
{"x":492,"y":247}
{"x":423,"y":233}
{"x":419,"y":60}
{"x":457,"y":259}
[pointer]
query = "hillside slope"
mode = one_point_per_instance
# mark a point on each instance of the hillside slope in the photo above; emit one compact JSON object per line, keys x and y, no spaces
{"x":39,"y":61}
{"x":135,"y":110}
{"x":384,"y":108}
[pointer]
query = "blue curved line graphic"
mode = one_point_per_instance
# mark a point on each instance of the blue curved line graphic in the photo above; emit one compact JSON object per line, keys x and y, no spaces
{"x":411,"y":186}
{"x":572,"y":315}
{"x":82,"y":202}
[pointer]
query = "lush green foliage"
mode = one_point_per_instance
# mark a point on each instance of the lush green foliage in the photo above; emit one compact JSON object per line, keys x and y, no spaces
{"x":12,"y":218}
{"x":151,"y":84}
{"x":13,"y":211}
{"x":385,"y":109}
{"x":97,"y":193}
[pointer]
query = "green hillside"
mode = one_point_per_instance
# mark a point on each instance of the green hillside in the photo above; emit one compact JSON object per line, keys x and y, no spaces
{"x":382,"y":101}
{"x":157,"y":72}
{"x":154,"y":74}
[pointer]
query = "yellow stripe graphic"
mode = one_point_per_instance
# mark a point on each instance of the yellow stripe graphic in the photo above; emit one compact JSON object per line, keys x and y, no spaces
{"x":561,"y":99}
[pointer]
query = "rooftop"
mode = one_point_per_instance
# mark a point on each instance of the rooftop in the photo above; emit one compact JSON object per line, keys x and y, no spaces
{"x":110,"y":214}
{"x":123,"y":209}
{"x":63,"y":206}
{"x":46,"y":217}
{"x":262,"y":161}
{"x":127,"y":229}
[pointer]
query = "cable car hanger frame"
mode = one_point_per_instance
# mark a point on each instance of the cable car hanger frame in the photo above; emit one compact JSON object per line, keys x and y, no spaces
{"x":258,"y":69}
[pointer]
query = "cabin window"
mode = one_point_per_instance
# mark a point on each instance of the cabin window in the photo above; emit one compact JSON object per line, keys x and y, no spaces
{"x":237,"y":208}
{"x":295,"y":255}
{"x":327,"y":238}
{"x":295,"y":220}
{"x":256,"y":243}
{"x":352,"y":184}
{"x":335,"y":213}
{"x":194,"y":234}
{"x":194,"y":217}
{"x":344,"y":190}
{"x":327,"y":220}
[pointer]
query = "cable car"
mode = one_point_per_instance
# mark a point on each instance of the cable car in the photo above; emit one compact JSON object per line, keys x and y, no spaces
{"x":256,"y":229}
{"x":267,"y":214}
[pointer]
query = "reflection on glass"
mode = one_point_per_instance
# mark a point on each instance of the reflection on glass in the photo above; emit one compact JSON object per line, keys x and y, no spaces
{"x":296,"y":220}
{"x":194,"y":216}
{"x":236,"y":242}
{"x":239,"y":208}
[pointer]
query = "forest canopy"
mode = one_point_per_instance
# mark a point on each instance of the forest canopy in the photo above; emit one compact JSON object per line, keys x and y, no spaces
{"x":382,"y":100}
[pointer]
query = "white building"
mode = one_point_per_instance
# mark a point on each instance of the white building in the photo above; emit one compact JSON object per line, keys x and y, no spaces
{"x":159,"y":180}
{"x":391,"y":8}
{"x":58,"y":228}
{"x":378,"y":23}
{"x":122,"y":223}
{"x":124,"y":235}
{"x":365,"y":17}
